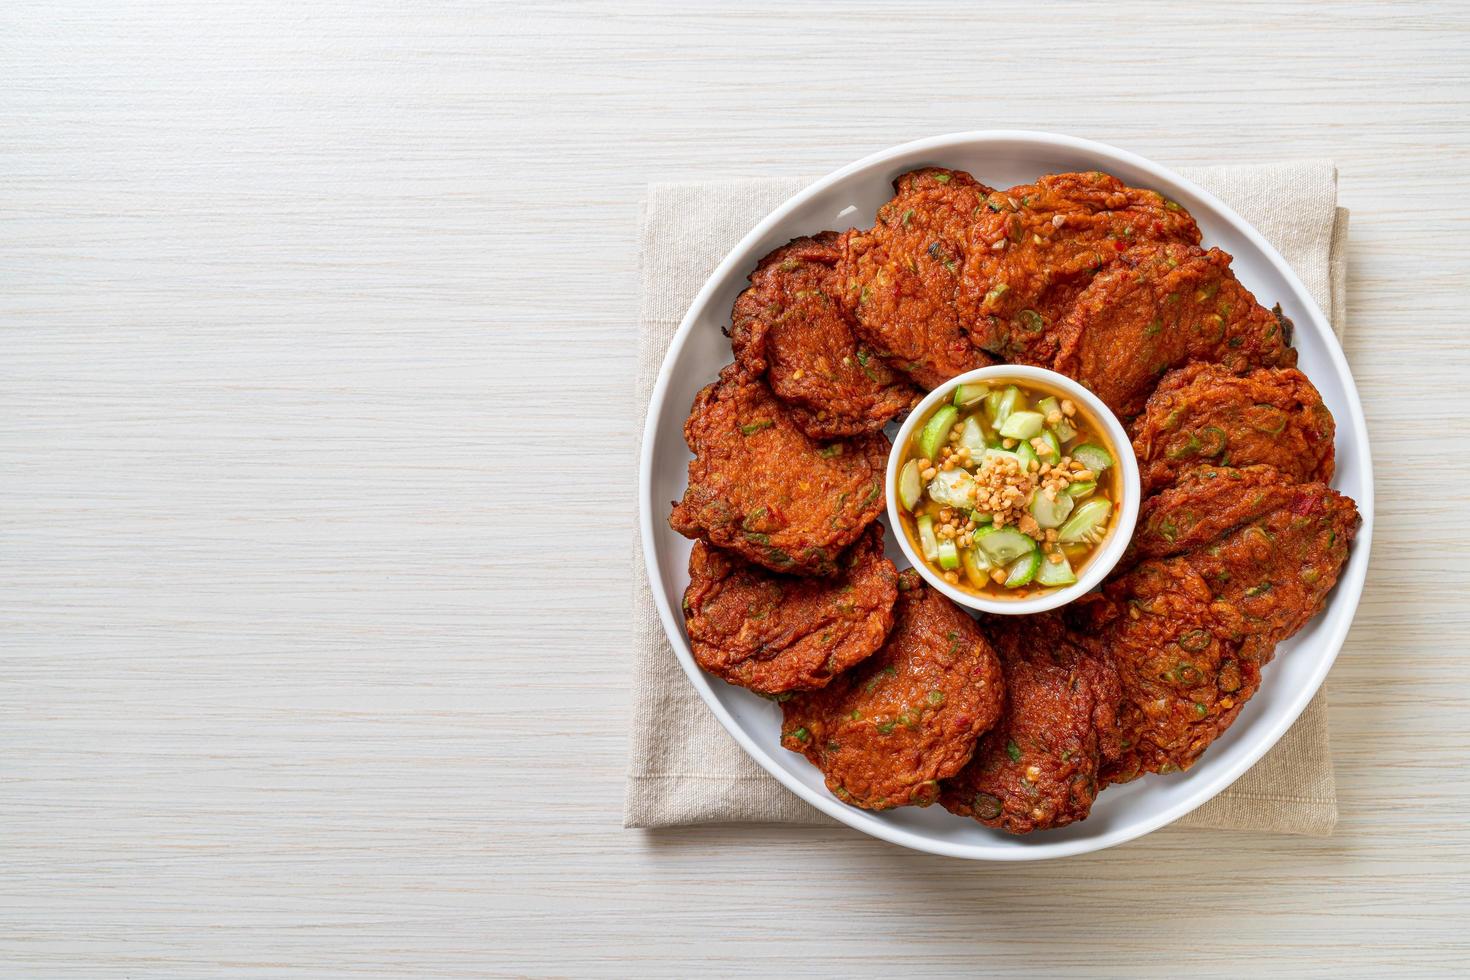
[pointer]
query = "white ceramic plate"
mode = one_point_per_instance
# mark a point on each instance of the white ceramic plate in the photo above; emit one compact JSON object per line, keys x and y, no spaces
{"x":850,"y":197}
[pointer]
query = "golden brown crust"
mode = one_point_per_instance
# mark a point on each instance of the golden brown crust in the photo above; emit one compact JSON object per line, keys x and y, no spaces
{"x":1035,"y":247}
{"x":1190,"y":633}
{"x":1160,"y":307}
{"x":901,"y":276}
{"x":1205,"y":415}
{"x":1185,"y":666}
{"x":790,"y":326}
{"x":763,"y":489}
{"x":1038,"y":767}
{"x":887,"y":731}
{"x":1203,"y":505}
{"x":775,"y":633}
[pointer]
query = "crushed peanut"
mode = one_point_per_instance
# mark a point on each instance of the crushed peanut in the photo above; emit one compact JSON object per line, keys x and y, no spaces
{"x":1002,"y":489}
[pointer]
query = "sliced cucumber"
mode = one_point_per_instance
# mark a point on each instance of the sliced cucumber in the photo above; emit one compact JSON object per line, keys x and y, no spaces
{"x":992,"y":403}
{"x":910,"y":486}
{"x":1051,"y":513}
{"x":1022,"y":425}
{"x":1027,"y":456}
{"x":1011,"y":400}
{"x":1093,"y":456}
{"x":936,"y":431}
{"x":928,"y":543}
{"x":972,"y":437}
{"x":980,"y":518}
{"x":1063,"y":427}
{"x":1087,"y":522}
{"x":953,"y":488}
{"x":949,"y":554}
{"x":1081,"y":491}
{"x":1053,"y":454}
{"x":1021,"y":571}
{"x":1003,"y":544}
{"x":970,"y":394}
{"x":976,"y":566}
{"x":1054,"y":574}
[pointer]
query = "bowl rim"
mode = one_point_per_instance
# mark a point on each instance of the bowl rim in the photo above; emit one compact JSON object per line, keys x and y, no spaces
{"x":1117,"y":540}
{"x":1349,"y":586}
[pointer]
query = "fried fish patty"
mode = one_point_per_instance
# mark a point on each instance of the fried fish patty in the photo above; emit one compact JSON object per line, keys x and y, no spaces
{"x":762,"y":488}
{"x":901,"y":276}
{"x":1035,"y":247}
{"x":1278,"y":566}
{"x":1160,"y":307}
{"x":1204,"y":504}
{"x":1204,"y":414}
{"x":1190,"y":633}
{"x":887,"y":731}
{"x":790,"y":326}
{"x":1186,"y":665}
{"x":1038,"y":767}
{"x":775,"y":633}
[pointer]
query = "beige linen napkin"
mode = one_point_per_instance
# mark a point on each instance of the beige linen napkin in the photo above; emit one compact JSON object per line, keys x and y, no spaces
{"x":684,"y":768}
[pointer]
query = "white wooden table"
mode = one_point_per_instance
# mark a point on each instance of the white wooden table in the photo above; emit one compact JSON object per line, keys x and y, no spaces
{"x":316,"y":485}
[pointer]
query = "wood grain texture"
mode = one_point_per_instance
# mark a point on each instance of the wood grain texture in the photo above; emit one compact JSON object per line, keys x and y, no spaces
{"x":316,"y":327}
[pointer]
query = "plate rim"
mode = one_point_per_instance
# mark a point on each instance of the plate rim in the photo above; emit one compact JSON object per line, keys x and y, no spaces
{"x":1349,"y":587}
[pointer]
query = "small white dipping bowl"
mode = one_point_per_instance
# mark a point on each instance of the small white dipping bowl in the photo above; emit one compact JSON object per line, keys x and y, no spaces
{"x":1113,"y":545}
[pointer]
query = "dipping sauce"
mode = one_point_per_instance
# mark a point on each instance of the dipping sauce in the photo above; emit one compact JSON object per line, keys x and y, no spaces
{"x":1008,"y":490}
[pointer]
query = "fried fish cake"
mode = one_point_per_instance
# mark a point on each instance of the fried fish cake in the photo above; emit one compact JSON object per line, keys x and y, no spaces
{"x":1035,"y":247}
{"x":1204,"y":414}
{"x":789,"y":326}
{"x":1204,"y":504}
{"x":1278,"y":567}
{"x":887,"y":731}
{"x":1190,"y":633}
{"x":1186,"y":665}
{"x":901,"y":275}
{"x":1160,"y":307}
{"x":762,"y":488}
{"x":775,"y":633}
{"x":1038,"y":767}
